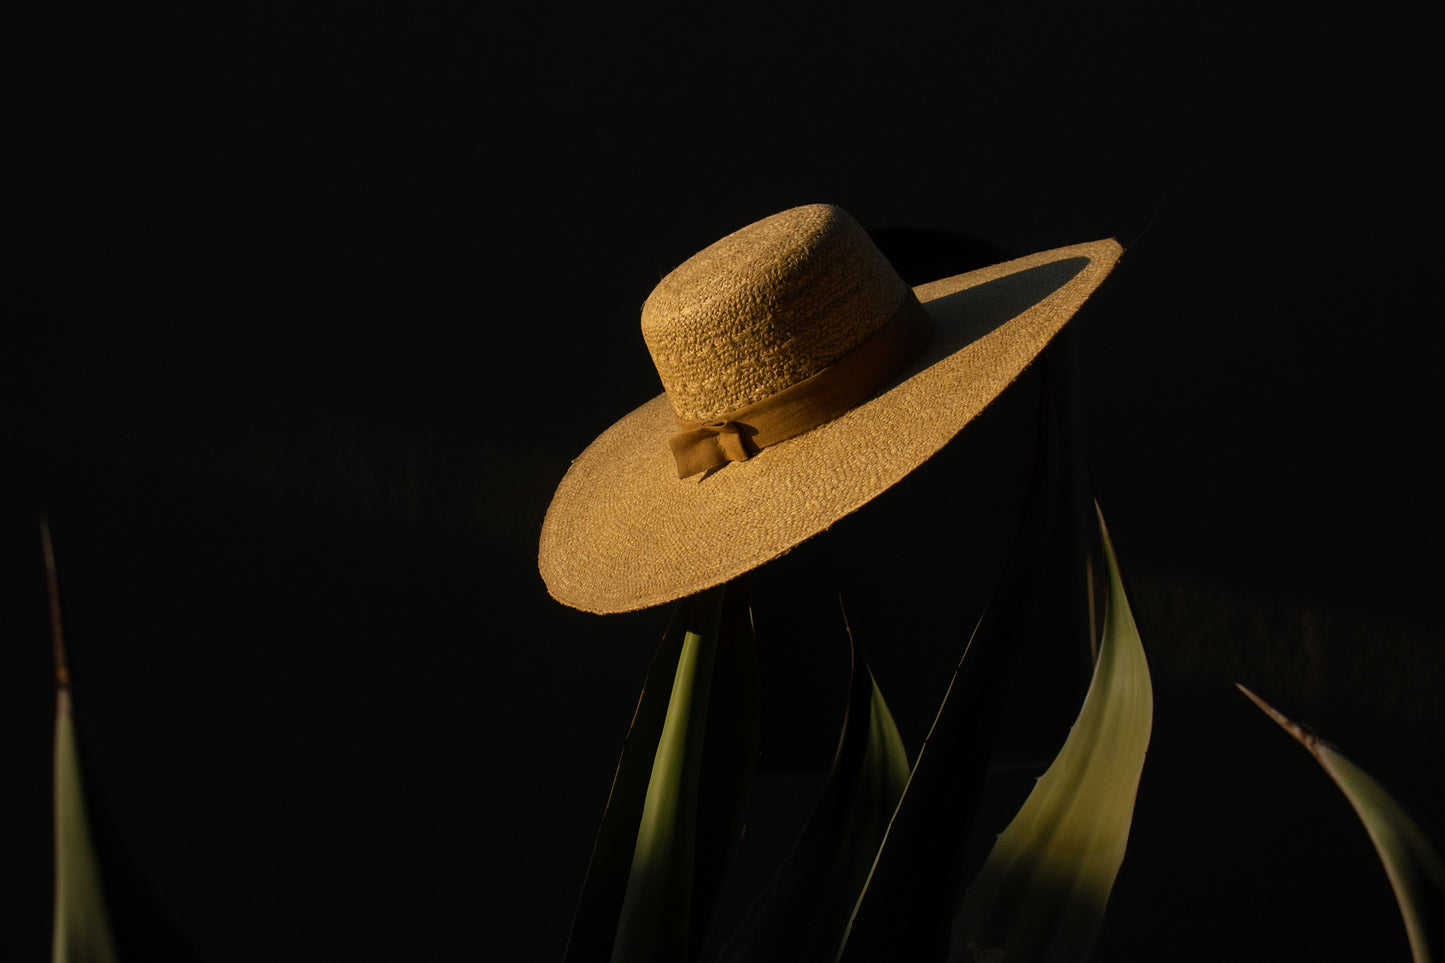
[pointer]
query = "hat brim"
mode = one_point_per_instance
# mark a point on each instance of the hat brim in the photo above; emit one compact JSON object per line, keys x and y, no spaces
{"x":623,"y":532}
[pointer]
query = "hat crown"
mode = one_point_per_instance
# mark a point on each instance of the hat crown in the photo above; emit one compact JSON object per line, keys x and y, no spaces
{"x":765,"y":308}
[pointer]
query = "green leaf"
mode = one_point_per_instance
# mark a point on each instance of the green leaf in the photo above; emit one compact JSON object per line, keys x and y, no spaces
{"x":1042,"y":892}
{"x":82,"y":932}
{"x":656,"y":917}
{"x":679,"y":794}
{"x":594,"y":924}
{"x":730,"y":758}
{"x":918,"y":882}
{"x":106,"y":905}
{"x":1414,"y":867}
{"x":803,"y":913}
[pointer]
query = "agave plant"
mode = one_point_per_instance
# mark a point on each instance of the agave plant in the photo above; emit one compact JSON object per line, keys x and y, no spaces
{"x":877,"y":871}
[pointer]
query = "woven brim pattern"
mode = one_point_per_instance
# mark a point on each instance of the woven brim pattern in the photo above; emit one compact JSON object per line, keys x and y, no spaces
{"x":624,"y":532}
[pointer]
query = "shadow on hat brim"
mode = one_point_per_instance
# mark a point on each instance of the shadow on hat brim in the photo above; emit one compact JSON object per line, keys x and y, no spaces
{"x":623,"y":532}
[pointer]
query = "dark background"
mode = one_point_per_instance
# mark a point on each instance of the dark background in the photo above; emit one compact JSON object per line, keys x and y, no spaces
{"x":310,"y":305}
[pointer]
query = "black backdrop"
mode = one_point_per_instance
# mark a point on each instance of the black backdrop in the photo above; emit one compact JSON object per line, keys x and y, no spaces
{"x":310,"y":305}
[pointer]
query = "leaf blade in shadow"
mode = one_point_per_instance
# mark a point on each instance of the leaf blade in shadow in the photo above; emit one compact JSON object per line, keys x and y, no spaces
{"x":1043,"y":889}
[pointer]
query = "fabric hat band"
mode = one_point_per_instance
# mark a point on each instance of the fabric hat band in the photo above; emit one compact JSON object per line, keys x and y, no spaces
{"x":846,"y":383}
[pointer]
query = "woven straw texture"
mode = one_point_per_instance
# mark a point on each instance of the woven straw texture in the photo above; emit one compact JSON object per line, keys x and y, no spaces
{"x":624,"y":532}
{"x":739,"y":321}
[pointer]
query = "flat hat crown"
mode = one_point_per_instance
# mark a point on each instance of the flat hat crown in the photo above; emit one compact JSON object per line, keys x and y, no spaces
{"x":765,"y":308}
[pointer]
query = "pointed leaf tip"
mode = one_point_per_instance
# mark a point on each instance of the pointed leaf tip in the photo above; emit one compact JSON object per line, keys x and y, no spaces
{"x":1413,"y":865}
{"x":80,"y":925}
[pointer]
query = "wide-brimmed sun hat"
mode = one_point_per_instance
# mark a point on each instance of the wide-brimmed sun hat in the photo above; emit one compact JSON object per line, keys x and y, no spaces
{"x":802,"y":377}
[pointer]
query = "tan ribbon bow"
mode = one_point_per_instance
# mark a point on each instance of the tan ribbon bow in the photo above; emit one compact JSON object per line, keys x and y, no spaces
{"x":843,"y":385}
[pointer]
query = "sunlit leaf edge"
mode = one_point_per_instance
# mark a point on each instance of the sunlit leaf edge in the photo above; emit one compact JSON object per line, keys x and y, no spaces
{"x":1414,"y":867}
{"x":1044,"y":887}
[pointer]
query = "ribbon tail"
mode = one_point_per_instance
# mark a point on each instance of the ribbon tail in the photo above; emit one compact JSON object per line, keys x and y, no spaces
{"x":711,"y":446}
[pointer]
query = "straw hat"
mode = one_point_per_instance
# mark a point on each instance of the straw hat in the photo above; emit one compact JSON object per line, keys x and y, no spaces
{"x":802,"y":378}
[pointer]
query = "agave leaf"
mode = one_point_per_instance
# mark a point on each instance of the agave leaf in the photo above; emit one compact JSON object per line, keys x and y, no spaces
{"x":803,"y":913}
{"x":81,"y":930}
{"x":1416,"y":870}
{"x":1042,"y":892}
{"x":730,"y":758}
{"x":106,"y":904}
{"x":594,"y":923}
{"x":917,"y":881}
{"x":679,"y":793}
{"x":656,"y":917}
